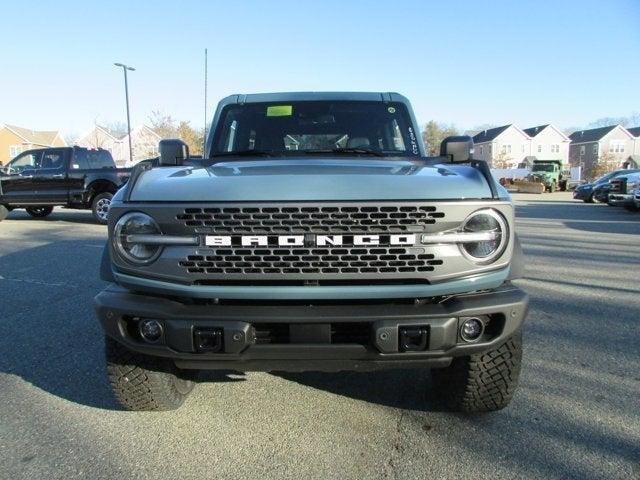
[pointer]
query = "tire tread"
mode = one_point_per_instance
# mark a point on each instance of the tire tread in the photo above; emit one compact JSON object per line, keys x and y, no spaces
{"x":140,"y":382}
{"x":482,"y":382}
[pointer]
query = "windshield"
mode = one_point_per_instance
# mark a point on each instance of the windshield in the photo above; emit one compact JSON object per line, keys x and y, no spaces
{"x":543,"y":168}
{"x":333,"y":127}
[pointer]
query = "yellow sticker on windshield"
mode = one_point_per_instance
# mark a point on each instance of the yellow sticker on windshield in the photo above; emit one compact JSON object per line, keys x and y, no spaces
{"x":280,"y":111}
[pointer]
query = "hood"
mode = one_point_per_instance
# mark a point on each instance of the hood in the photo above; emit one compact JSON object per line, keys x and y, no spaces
{"x":311,"y":179}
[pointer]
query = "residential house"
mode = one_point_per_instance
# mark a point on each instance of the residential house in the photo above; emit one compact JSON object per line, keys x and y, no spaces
{"x":634,"y":160}
{"x":548,"y":143}
{"x":502,"y":147}
{"x":144,"y":143}
{"x":15,"y":140}
{"x":613,"y":145}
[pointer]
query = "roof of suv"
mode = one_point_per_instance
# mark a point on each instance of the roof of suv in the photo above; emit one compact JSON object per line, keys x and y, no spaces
{"x":314,"y":96}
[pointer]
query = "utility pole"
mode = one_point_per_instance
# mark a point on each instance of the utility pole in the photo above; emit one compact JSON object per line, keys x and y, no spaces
{"x":126,"y":94}
{"x":204,"y":140}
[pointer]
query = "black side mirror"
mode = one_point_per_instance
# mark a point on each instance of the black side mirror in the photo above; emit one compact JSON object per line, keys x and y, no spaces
{"x":173,"y":152}
{"x":457,"y":148}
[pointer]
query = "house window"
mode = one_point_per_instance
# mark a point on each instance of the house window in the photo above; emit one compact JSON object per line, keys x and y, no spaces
{"x":616,"y":146}
{"x":15,"y":150}
{"x":539,"y":148}
{"x":555,"y":148}
{"x":481,"y":151}
{"x":582,"y":150}
{"x":595,"y":149}
{"x":506,"y":149}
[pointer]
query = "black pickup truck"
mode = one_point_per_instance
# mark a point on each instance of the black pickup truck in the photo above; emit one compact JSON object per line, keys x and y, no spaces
{"x":74,"y":177}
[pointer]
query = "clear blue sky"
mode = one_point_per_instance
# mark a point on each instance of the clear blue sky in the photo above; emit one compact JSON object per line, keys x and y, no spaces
{"x":466,"y":62}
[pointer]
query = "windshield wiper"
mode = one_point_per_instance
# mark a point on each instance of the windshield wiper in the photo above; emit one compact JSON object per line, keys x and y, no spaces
{"x":342,"y":151}
{"x":245,"y":153}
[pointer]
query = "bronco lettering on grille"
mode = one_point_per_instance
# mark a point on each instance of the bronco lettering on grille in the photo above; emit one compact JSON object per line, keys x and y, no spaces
{"x":307,"y":240}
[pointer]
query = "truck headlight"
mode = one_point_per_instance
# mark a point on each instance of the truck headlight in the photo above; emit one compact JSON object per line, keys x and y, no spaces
{"x":494,"y":226}
{"x":130,"y":226}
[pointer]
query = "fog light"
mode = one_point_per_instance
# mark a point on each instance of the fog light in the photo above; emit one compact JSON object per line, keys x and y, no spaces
{"x":471,"y":329}
{"x":150,"y":330}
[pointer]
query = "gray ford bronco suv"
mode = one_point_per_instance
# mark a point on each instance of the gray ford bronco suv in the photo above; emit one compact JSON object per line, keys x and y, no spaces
{"x":314,"y":235}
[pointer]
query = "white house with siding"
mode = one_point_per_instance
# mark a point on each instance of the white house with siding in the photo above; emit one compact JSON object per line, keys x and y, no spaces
{"x":144,"y":143}
{"x":549,"y":143}
{"x":502,"y":147}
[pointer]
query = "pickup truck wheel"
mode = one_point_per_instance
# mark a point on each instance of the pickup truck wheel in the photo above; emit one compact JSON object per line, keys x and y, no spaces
{"x":100,"y":207}
{"x":39,"y":212}
{"x":482,"y":382}
{"x":4,"y":211}
{"x":143,"y":383}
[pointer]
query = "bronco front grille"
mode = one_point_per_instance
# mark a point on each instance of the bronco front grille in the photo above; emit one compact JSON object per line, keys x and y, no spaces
{"x":338,"y":260}
{"x":311,"y":219}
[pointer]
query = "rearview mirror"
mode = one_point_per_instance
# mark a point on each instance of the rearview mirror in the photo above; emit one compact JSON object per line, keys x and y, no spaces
{"x":173,"y":152}
{"x":457,"y":148}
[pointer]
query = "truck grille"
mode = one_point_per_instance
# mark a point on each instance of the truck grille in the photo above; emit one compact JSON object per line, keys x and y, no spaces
{"x":618,"y":185}
{"x":338,"y":260}
{"x":312,"y":219}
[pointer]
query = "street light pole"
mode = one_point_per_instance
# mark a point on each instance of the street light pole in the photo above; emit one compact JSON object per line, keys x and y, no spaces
{"x":126,"y":94}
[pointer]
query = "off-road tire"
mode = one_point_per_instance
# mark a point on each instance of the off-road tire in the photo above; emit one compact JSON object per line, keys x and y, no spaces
{"x":4,"y":211}
{"x":482,"y":382}
{"x":39,"y":212}
{"x":98,"y":207}
{"x":143,"y":383}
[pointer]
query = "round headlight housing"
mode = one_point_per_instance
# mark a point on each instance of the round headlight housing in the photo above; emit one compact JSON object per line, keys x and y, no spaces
{"x":494,"y":226}
{"x":125,"y":230}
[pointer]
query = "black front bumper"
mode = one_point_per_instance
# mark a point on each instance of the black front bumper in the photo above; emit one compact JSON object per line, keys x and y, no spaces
{"x":294,"y":337}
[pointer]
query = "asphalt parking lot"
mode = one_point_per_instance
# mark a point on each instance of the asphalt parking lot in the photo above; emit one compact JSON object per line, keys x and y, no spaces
{"x":575,"y":415}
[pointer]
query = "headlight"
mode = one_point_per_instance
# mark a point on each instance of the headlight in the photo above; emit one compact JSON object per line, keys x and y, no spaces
{"x":131,"y":225}
{"x":494,"y":226}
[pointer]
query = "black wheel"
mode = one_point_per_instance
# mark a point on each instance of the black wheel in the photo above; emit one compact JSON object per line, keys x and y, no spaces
{"x":100,"y":207}
{"x":482,"y":382}
{"x":4,"y":211}
{"x":589,"y":199}
{"x":552,"y":187}
{"x":143,"y":383}
{"x":39,"y":212}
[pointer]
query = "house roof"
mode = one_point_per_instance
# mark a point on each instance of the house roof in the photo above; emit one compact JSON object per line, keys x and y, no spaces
{"x":533,"y":131}
{"x":490,"y":134}
{"x":37,"y":137}
{"x":635,"y":131}
{"x":593,"y":135}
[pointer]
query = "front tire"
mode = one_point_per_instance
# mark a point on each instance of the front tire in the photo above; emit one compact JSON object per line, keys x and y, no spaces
{"x":39,"y":212}
{"x":143,"y":383}
{"x":483,"y":382}
{"x":100,"y":207}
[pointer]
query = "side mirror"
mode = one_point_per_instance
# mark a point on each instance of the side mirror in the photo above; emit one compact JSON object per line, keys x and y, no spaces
{"x":457,"y":149}
{"x":172,"y":152}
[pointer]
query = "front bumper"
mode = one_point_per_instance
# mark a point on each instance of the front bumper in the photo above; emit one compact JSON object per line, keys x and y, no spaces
{"x":581,"y":194}
{"x":620,"y":199}
{"x":326,"y":337}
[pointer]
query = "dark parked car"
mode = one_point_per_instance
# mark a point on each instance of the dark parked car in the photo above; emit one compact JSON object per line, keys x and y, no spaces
{"x":598,"y":189}
{"x":76,"y":177}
